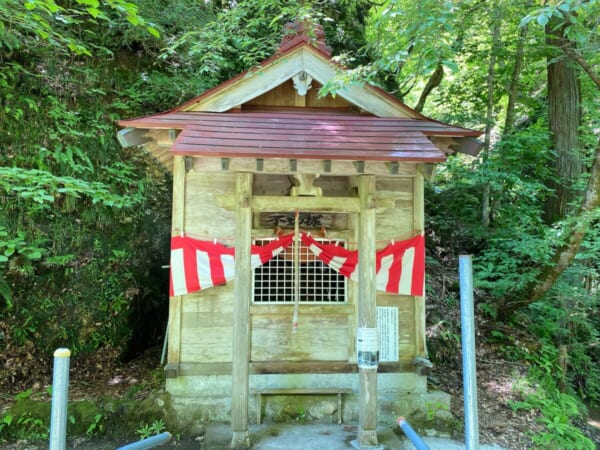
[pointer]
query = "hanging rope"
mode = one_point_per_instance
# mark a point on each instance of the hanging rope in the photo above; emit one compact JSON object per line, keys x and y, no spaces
{"x":296,"y":271}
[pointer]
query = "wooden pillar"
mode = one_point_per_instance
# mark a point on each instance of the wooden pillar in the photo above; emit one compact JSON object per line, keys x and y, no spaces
{"x":419,"y":226}
{"x":367,"y":298}
{"x":177,"y":227}
{"x":241,"y":314}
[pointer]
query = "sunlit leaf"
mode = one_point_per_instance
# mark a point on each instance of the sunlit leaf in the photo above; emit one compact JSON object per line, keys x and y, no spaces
{"x":542,"y":19}
{"x":153,"y":31}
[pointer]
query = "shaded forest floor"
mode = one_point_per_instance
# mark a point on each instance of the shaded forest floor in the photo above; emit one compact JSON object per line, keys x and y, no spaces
{"x":101,"y":375}
{"x":500,"y":383}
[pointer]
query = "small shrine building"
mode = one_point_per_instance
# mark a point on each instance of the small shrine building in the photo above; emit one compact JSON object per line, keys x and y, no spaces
{"x":297,"y":263}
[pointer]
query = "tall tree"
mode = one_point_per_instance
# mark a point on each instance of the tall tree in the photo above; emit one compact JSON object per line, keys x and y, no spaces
{"x":513,"y":87}
{"x":564,"y":119}
{"x":489,"y":115}
{"x":583,"y":56}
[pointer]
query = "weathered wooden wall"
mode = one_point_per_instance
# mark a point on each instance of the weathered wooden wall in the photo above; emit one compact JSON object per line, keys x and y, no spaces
{"x":325,"y":332}
{"x":285,"y":95}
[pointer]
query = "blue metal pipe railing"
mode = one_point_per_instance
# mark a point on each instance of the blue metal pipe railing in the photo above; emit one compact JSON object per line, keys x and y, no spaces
{"x":412,"y":434}
{"x":467,"y":322}
{"x":60,"y":399}
{"x":150,"y":442}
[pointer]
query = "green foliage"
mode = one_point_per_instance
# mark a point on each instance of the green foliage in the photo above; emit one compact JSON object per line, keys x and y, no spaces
{"x":400,"y":40}
{"x":28,"y":419}
{"x":433,"y":409}
{"x":69,"y":195}
{"x":231,"y":41}
{"x":45,"y":21}
{"x":443,"y":342}
{"x":569,"y":318}
{"x":563,"y":367}
{"x":22,"y":422}
{"x":580,"y":18}
{"x":558,"y":411}
{"x":17,"y":247}
{"x":96,"y":426}
{"x":145,"y":431}
{"x":40,"y":190}
{"x":510,"y":252}
{"x":5,"y":422}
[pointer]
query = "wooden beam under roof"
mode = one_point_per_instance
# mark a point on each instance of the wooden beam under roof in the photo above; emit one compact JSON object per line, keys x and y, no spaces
{"x":266,"y":203}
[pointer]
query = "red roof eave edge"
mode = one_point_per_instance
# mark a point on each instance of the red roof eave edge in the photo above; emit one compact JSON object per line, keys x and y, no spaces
{"x":162,"y":121}
{"x":334,"y":157}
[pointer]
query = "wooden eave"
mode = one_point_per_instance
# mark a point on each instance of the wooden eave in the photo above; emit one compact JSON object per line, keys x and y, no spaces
{"x":302,"y":136}
{"x":294,"y":119}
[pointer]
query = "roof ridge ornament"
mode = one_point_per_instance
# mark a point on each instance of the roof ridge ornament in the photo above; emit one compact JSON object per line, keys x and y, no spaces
{"x":304,"y":31}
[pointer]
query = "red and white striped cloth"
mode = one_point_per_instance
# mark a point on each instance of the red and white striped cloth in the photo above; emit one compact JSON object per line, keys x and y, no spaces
{"x":197,"y":265}
{"x":400,"y":266}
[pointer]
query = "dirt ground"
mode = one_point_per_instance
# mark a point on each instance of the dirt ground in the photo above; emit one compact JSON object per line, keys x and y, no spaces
{"x":100,"y":375}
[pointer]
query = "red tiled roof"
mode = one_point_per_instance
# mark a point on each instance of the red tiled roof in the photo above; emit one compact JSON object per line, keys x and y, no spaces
{"x":297,"y":135}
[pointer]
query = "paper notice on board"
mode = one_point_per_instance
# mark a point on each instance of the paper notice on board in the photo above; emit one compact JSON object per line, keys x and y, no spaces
{"x":367,"y":348}
{"x":387,"y":328}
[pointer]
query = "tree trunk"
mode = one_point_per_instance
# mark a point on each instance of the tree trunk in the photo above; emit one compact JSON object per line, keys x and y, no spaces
{"x":491,"y":79}
{"x":434,"y":81}
{"x":564,"y":118}
{"x":513,"y":88}
{"x":582,"y":220}
{"x":486,"y":212}
{"x":565,"y":255}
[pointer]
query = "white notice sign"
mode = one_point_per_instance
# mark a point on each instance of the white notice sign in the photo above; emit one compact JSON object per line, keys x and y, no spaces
{"x":387,"y":328}
{"x":367,"y":348}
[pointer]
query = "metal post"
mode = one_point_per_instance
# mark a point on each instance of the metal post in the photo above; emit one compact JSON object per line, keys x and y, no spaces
{"x":467,"y":319}
{"x":412,"y":434}
{"x":60,"y":398}
{"x":150,"y":442}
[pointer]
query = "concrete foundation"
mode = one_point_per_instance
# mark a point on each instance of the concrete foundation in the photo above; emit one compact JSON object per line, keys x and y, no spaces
{"x":208,"y":399}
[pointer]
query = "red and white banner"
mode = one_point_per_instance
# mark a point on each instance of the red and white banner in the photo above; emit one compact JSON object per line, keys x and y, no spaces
{"x":400,"y":267}
{"x":197,"y":265}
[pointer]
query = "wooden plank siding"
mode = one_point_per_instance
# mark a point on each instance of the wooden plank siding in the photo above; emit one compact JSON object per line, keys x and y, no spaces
{"x":204,"y":218}
{"x":394,"y":222}
{"x":318,"y":338}
{"x":285,"y":95}
{"x":326,"y":333}
{"x":206,"y":326}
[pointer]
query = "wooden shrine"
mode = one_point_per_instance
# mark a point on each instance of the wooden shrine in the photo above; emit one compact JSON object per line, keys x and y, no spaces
{"x":260,"y":156}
